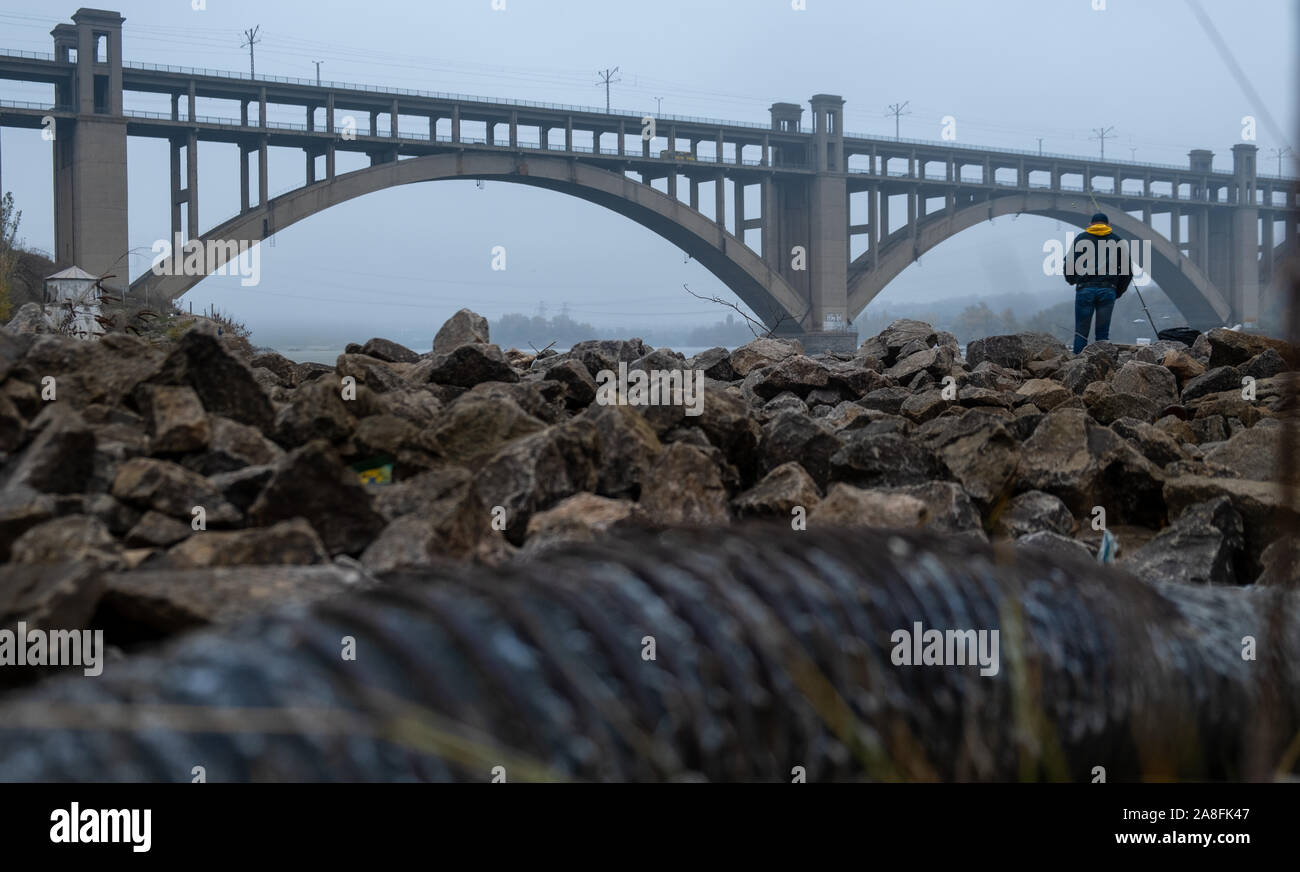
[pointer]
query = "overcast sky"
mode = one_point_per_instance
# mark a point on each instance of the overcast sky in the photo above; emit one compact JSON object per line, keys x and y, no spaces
{"x":400,"y":260}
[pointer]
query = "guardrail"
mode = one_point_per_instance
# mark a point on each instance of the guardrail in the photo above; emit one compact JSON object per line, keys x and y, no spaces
{"x":635,"y":117}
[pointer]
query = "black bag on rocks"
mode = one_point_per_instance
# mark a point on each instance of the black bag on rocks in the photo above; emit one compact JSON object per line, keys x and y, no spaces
{"x":1185,"y":335}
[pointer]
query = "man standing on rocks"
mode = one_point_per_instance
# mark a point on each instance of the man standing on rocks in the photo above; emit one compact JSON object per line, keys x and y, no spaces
{"x":1098,"y":267}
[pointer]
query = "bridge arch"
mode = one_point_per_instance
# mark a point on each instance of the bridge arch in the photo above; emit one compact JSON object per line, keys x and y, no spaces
{"x":1186,"y":285}
{"x":740,"y":268}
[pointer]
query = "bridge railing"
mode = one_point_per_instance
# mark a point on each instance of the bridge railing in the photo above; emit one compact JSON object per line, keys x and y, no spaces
{"x":591,"y":110}
{"x":635,"y":117}
{"x":447,"y":96}
{"x":1092,"y":161}
{"x":29,"y":55}
{"x":413,"y":137}
{"x":27,"y":104}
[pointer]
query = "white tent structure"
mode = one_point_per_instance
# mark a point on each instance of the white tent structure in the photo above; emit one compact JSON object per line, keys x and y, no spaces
{"x":81,"y":289}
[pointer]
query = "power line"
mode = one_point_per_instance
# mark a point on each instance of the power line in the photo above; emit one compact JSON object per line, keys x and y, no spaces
{"x":896,"y":109}
{"x":1281,"y":153}
{"x":1102,"y":135}
{"x":251,"y":39}
{"x":1225,"y":54}
{"x":607,"y":77}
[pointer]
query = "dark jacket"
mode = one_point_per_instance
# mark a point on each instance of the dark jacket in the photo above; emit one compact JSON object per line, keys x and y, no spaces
{"x":1100,"y":256}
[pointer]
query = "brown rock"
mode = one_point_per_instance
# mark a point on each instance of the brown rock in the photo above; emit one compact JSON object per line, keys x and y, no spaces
{"x":848,"y":506}
{"x":684,"y":487}
{"x":780,"y":491}
{"x":286,"y":543}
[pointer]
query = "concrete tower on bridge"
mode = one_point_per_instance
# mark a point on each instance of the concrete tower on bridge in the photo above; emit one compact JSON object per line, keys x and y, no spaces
{"x":90,"y":228}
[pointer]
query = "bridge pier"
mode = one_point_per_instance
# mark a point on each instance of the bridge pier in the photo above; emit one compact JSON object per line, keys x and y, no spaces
{"x":90,"y":225}
{"x":1244,"y":256}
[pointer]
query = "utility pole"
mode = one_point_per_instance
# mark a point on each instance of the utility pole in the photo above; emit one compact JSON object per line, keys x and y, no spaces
{"x":1281,"y":153}
{"x":1040,"y":146}
{"x":1102,"y":135}
{"x":607,"y":76}
{"x":1132,"y":153}
{"x":659,"y":106}
{"x":896,"y":109}
{"x":250,"y":40}
{"x":318,"y":63}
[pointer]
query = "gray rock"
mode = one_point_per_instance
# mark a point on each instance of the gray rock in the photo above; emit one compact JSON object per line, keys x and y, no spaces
{"x":393,"y":352}
{"x":1046,"y":540}
{"x":780,"y":491}
{"x":463,"y":328}
{"x":1221,"y":378}
{"x":311,"y":482}
{"x":1148,"y":380}
{"x":1200,"y":547}
{"x":1032,"y":512}
{"x":73,"y":537}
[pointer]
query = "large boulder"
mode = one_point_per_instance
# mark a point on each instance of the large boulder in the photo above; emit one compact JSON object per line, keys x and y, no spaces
{"x":1009,"y":351}
{"x":535,"y":472}
{"x":177,"y":421}
{"x":393,"y":352}
{"x":1221,"y":378}
{"x":311,"y":482}
{"x":1265,"y":510}
{"x":60,"y":458}
{"x":792,"y":435}
{"x":470,"y":364}
{"x":224,"y":384}
{"x":291,"y":542}
{"x":159,"y":602}
{"x":317,"y":410}
{"x":1031,"y":512}
{"x":1148,"y":380}
{"x":30,"y":318}
{"x":232,"y":446}
{"x":778,"y":493}
{"x":761,"y":352}
{"x":977,"y":450}
{"x":72,"y":537}
{"x":868,"y":459}
{"x":582,"y":517}
{"x":796,"y":373}
{"x":173,"y":490}
{"x":1086,"y":465}
{"x":629,"y":448}
{"x":849,"y":506}
{"x":1201,"y":546}
{"x":475,"y":426}
{"x":684,"y":487}
{"x":463,"y":328}
{"x":1232,"y":348}
{"x":1255,"y":453}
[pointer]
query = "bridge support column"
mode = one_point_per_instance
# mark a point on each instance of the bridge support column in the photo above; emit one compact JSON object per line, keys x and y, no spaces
{"x":90,"y":172}
{"x":177,"y":190}
{"x":1245,"y":236}
{"x":192,"y":186}
{"x":720,"y":200}
{"x":243,"y":177}
{"x":262,"y":180}
{"x":738,"y":198}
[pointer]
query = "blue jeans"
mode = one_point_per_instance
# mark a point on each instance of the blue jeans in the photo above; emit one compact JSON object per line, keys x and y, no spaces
{"x":1087,"y":300}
